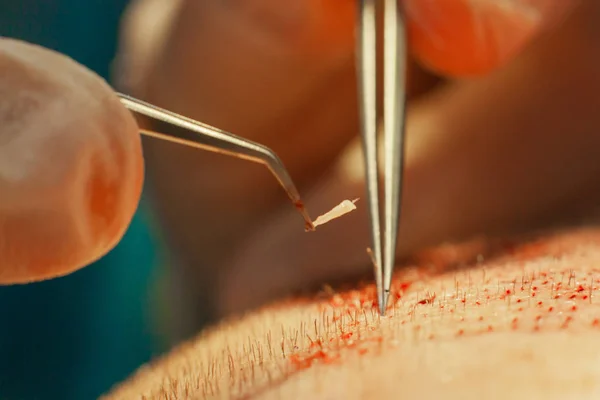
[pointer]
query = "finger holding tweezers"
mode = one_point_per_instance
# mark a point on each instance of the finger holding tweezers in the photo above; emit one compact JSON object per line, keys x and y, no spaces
{"x":196,"y":134}
{"x":394,"y":98}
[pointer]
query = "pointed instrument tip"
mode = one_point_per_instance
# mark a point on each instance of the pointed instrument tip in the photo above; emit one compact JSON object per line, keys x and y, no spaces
{"x":383,"y":300}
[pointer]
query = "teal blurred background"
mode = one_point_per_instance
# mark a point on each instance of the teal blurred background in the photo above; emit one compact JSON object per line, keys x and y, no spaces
{"x":75,"y":337}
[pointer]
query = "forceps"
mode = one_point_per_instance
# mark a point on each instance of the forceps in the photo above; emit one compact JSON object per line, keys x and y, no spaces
{"x":196,"y":134}
{"x":394,"y":101}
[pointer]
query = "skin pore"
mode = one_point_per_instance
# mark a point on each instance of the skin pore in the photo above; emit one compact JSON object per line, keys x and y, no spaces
{"x":501,"y":318}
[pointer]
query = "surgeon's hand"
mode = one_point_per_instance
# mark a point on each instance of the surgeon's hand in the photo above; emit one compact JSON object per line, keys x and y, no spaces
{"x":71,"y":166}
{"x":509,"y":145}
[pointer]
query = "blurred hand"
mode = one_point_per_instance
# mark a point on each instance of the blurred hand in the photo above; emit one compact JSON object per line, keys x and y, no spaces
{"x":512,"y":148}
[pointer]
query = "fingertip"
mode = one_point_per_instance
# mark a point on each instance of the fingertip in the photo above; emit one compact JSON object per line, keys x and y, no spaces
{"x":465,"y":37}
{"x":71,"y":165}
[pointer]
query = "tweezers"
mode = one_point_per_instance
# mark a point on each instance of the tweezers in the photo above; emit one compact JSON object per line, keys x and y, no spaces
{"x":192,"y":133}
{"x":394,"y":103}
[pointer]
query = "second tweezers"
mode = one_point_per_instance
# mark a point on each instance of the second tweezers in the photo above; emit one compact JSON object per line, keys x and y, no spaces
{"x":196,"y":134}
{"x":394,"y":99}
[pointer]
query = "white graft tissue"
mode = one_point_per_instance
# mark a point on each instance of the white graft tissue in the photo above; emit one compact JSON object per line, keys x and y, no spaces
{"x":341,"y":209}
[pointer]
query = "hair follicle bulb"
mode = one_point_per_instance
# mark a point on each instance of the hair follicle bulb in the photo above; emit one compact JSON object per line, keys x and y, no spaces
{"x":341,"y":209}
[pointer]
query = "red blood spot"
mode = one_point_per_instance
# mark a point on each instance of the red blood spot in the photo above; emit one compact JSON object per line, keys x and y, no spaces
{"x":336,"y":301}
{"x":596,"y":322}
{"x":539,"y":303}
{"x":300,"y":206}
{"x":428,"y":299}
{"x":346,"y":336}
{"x":508,"y":292}
{"x":534,"y":288}
{"x":405,"y":285}
{"x":550,"y":309}
{"x":296,"y":360}
{"x":478,"y":303}
{"x":580,"y":288}
{"x":584,"y":297}
{"x":303,"y":362}
{"x":566,"y":323}
{"x":519,"y":300}
{"x":328,"y":359}
{"x":533,"y":294}
{"x":572,"y":296}
{"x":574,"y":308}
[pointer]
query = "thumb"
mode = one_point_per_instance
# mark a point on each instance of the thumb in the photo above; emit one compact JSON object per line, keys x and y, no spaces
{"x":71,"y":165}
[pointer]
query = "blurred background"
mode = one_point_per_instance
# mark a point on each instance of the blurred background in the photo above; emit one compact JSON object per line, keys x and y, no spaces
{"x":75,"y":337}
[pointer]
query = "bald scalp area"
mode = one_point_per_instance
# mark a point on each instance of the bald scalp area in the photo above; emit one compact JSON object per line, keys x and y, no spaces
{"x":489,"y":317}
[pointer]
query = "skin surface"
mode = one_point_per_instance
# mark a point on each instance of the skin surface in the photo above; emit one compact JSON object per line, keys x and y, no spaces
{"x":486,"y":318}
{"x":501,"y":153}
{"x":71,"y":166}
